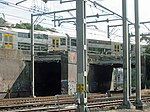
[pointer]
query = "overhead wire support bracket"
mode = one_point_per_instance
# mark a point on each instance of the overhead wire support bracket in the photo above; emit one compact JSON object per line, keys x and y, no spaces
{"x":107,"y":20}
{"x":97,"y":15}
{"x":40,"y":14}
{"x":144,"y":22}
{"x":90,"y":22}
{"x":61,"y":1}
{"x":20,"y":2}
{"x":95,"y":3}
{"x":67,"y":22}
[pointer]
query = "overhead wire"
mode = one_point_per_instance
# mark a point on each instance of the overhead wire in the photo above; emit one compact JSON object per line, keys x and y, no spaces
{"x":22,"y":7}
{"x":15,"y":16}
{"x":33,"y":11}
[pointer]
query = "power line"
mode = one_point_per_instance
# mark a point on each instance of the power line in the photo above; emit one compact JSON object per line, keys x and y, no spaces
{"x":15,"y":16}
{"x":20,"y":2}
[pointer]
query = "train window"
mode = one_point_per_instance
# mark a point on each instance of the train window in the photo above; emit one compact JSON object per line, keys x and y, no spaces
{"x":132,"y":47}
{"x":68,"y":41}
{"x":6,"y":39}
{"x":107,"y":51}
{"x":53,"y":43}
{"x":73,"y":42}
{"x":23,"y":46}
{"x":99,"y":42}
{"x":89,"y":49}
{"x":100,"y":50}
{"x":62,"y":41}
{"x":121,"y":46}
{"x":57,"y":43}
{"x":10,"y":40}
{"x":96,"y":49}
{"x":29,"y":34}
{"x":45,"y":36}
{"x":23,"y":35}
{"x":38,"y":36}
{"x":41,"y":47}
{"x":37,"y":47}
{"x":116,"y":47}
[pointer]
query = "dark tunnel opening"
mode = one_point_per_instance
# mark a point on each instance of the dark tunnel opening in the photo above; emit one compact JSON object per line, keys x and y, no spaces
{"x":47,"y":78}
{"x":100,"y":77}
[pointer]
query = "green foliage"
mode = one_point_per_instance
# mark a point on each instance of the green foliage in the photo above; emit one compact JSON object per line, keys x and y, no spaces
{"x":23,"y":26}
{"x":39,"y":27}
{"x":28,"y":26}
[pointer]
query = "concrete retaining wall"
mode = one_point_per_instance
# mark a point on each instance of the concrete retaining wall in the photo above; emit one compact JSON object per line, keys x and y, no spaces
{"x":12,"y":66}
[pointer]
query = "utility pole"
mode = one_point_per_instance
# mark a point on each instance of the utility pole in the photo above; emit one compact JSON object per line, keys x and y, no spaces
{"x":126,"y":102}
{"x":138,"y":102}
{"x":130,"y":63}
{"x":32,"y":54}
{"x":81,"y":55}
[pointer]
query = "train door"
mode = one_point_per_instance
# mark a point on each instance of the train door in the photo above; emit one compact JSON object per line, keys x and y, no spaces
{"x":8,"y":40}
{"x":55,"y":43}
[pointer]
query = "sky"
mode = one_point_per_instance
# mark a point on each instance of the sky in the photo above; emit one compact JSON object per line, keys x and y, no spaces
{"x":114,"y":5}
{"x":19,"y":13}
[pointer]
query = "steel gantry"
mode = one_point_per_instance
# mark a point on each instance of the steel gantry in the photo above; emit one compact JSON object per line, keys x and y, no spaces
{"x":32,"y":54}
{"x":138,"y":103}
{"x":82,"y":49}
{"x":81,"y":55}
{"x":126,"y":102}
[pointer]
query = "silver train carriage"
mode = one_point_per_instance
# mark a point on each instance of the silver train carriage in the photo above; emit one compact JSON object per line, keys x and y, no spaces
{"x":12,"y":38}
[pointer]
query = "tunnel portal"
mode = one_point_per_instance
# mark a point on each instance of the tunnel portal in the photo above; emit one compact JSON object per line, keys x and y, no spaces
{"x":100,"y":77}
{"x":47,"y":78}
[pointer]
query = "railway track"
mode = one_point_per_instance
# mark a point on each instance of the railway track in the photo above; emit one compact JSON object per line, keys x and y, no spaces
{"x":61,"y":103}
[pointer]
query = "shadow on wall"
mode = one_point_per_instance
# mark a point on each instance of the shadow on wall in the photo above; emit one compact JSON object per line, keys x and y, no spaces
{"x":22,"y":85}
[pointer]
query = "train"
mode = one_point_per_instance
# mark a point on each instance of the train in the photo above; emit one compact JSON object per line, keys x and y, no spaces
{"x":15,"y":38}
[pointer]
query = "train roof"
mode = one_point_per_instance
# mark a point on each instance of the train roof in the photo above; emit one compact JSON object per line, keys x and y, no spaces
{"x":16,"y":30}
{"x":6,"y":30}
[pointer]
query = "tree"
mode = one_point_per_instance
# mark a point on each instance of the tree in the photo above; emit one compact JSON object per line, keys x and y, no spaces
{"x":36,"y":27}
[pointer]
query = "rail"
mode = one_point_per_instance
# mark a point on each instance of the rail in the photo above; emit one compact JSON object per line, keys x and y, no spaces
{"x":62,"y":103}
